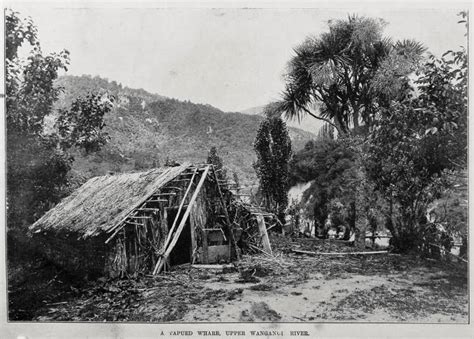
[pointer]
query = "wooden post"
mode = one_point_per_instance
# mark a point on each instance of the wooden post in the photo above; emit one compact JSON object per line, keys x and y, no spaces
{"x":170,"y":247}
{"x":171,"y":230}
{"x":192,"y":225}
{"x":179,"y":210}
{"x":205,"y":252}
{"x":164,"y":226}
{"x":226,"y":213}
{"x":263,"y":232}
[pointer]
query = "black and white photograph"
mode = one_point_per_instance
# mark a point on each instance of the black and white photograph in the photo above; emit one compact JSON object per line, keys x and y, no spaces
{"x":262,"y":168}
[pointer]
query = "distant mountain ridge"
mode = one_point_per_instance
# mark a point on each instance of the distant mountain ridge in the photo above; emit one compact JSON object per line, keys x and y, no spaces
{"x":307,"y":123}
{"x":257,"y":110}
{"x":145,"y":129}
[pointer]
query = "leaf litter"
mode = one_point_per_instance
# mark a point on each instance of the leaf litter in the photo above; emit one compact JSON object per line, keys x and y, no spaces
{"x":339,"y":288}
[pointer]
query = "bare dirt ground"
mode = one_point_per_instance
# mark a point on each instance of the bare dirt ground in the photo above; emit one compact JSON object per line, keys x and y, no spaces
{"x":288,"y":287}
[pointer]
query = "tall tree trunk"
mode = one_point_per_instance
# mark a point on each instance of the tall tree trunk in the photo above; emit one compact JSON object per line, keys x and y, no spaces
{"x":360,"y":230}
{"x":341,"y":131}
{"x":389,"y":224}
{"x":355,"y":118}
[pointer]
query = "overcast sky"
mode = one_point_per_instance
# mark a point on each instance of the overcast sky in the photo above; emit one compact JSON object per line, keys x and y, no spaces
{"x":230,"y":58}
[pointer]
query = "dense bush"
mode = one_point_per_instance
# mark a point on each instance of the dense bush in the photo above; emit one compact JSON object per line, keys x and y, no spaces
{"x":413,"y":137}
{"x":39,"y":159}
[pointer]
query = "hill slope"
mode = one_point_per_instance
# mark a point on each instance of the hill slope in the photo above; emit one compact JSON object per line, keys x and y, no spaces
{"x":307,"y":123}
{"x":145,"y":129}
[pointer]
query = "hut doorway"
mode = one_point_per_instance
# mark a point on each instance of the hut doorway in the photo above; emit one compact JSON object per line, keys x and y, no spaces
{"x":181,"y":253}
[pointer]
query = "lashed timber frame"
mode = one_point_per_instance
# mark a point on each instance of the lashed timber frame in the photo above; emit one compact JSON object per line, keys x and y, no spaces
{"x":172,"y":229}
{"x":175,"y":236}
{"x":131,"y":223}
{"x":254,"y":225}
{"x":144,"y":240}
{"x":142,"y":233}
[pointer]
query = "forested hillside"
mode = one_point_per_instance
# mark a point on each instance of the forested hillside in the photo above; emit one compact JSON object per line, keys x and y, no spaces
{"x":147,"y":129}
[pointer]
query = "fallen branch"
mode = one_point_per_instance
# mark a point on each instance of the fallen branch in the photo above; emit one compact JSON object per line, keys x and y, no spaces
{"x":212,"y":267}
{"x":337,"y":253}
{"x":58,"y":303}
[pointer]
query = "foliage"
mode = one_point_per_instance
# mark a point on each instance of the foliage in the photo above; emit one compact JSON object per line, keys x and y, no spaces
{"x":215,"y":159}
{"x":450,"y":209}
{"x":36,"y":173}
{"x":330,"y":165}
{"x":37,"y":177}
{"x":340,"y":188}
{"x":273,"y":148}
{"x":417,"y":141}
{"x":351,"y":69}
{"x":38,"y":163}
{"x":414,"y":139}
{"x":82,"y":125}
{"x":235,"y":176}
{"x":326,"y":131}
{"x":29,"y":86}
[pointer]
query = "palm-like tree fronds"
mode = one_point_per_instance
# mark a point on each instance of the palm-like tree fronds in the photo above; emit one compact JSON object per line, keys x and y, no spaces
{"x":348,"y":68}
{"x":410,"y":48}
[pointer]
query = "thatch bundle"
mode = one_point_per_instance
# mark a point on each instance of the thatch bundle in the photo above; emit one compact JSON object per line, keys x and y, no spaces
{"x":103,"y":202}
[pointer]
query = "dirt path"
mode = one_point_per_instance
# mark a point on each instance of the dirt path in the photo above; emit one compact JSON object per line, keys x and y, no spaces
{"x":351,"y":298}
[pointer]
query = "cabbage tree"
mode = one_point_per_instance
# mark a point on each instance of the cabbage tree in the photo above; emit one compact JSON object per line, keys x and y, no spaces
{"x":345,"y":75}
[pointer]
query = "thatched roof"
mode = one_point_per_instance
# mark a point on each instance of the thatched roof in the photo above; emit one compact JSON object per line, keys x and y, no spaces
{"x":102,"y":202}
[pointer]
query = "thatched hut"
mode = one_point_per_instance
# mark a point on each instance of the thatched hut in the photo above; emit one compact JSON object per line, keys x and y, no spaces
{"x":117,"y":225}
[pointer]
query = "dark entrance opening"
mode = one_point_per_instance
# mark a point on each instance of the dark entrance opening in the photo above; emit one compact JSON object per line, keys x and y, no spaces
{"x":181,"y":253}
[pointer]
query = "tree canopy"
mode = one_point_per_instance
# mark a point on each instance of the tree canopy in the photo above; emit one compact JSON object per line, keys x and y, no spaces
{"x":38,"y":162}
{"x":413,"y":110}
{"x":273,"y":147}
{"x":347,"y":73}
{"x":419,"y":139}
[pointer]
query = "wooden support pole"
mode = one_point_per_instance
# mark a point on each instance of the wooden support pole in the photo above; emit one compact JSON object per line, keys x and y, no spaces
{"x":124,"y":221}
{"x":176,"y":235}
{"x":337,"y":253}
{"x":175,"y":221}
{"x":134,"y":223}
{"x":229,"y":224}
{"x":160,"y":260}
{"x":263,"y":214}
{"x":205,"y":251}
{"x":263,"y":232}
{"x":212,"y":267}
